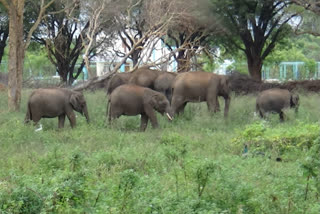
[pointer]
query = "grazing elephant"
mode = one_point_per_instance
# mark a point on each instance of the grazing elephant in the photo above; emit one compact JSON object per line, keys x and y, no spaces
{"x":160,"y":81}
{"x":56,"y":102}
{"x":117,"y":80}
{"x":275,"y":100}
{"x":200,"y":86}
{"x":132,"y":100}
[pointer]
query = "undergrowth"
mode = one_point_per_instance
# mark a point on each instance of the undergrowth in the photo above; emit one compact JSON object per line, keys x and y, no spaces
{"x":198,"y":163}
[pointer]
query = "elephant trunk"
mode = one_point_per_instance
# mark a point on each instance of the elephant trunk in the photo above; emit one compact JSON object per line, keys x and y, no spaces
{"x":226,"y":105}
{"x":86,"y":114}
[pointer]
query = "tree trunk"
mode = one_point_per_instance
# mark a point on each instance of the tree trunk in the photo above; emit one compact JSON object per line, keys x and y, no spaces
{"x":183,"y":61}
{"x":254,"y":67}
{"x":16,"y":54}
{"x":135,"y":57}
{"x":3,"y":44}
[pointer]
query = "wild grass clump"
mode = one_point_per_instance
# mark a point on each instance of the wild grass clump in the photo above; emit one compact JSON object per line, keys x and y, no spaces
{"x":195,"y":164}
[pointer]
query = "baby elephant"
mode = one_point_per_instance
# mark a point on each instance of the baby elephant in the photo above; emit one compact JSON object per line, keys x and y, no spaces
{"x":132,"y":100}
{"x":56,"y":102}
{"x":275,"y":100}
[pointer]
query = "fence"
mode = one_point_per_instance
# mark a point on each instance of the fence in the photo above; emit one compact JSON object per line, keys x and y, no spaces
{"x":291,"y":71}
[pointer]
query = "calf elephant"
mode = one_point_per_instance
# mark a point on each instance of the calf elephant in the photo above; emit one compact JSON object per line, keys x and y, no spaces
{"x":160,"y":81}
{"x":200,"y":86}
{"x":56,"y":102}
{"x":132,"y":100}
{"x":275,"y":100}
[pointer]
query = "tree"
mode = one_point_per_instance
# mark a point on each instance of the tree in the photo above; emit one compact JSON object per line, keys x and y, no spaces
{"x":190,"y":29}
{"x":130,"y":28}
{"x":312,"y":5}
{"x":157,"y":20}
{"x":4,"y":30}
{"x":254,"y":27}
{"x":61,"y":37}
{"x":17,"y":46}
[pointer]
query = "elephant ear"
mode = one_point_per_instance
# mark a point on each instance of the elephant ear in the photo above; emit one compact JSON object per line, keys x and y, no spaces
{"x":74,"y":101}
{"x":294,"y":100}
{"x":152,"y":98}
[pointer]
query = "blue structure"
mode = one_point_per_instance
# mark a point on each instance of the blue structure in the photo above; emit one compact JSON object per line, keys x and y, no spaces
{"x":85,"y":73}
{"x":291,"y":66}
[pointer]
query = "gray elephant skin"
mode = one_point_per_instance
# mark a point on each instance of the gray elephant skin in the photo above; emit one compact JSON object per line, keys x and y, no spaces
{"x":157,"y":80}
{"x":275,"y":100}
{"x":56,"y":102}
{"x":133,"y":100}
{"x":200,"y":86}
{"x":117,"y":80}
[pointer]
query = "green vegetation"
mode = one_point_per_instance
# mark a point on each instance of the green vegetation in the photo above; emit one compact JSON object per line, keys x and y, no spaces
{"x":193,"y":165}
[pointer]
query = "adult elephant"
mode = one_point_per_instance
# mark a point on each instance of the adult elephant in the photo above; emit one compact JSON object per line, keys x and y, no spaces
{"x":200,"y":86}
{"x":163,"y":84}
{"x":56,"y":102}
{"x":275,"y":100}
{"x":132,"y":100}
{"x":160,"y":81}
{"x":117,"y":80}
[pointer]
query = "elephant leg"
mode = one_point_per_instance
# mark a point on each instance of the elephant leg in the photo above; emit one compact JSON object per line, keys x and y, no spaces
{"x":72,"y":118}
{"x":261,"y":114}
{"x":144,"y":122}
{"x":281,"y":115}
{"x":35,"y":119}
{"x":212,"y":102}
{"x":114,"y":113}
{"x":178,"y":104}
{"x":151,"y":115}
{"x":217,"y":107}
{"x":61,"y":120}
{"x":180,"y":110}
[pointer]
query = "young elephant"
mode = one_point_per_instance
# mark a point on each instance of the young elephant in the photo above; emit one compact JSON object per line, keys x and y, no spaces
{"x":56,"y":102}
{"x":132,"y":100}
{"x":275,"y":100}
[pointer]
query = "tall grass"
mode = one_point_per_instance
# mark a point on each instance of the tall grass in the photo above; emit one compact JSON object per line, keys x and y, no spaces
{"x":195,"y":164}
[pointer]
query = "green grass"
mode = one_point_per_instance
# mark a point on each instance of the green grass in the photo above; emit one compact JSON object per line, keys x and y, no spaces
{"x":191,"y":165}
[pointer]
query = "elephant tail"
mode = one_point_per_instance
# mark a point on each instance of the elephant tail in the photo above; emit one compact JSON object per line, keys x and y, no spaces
{"x":108,"y":112}
{"x":28,"y":114}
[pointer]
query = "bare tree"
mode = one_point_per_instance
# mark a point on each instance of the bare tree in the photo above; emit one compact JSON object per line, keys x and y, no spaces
{"x":188,"y":33}
{"x":130,"y":27}
{"x":17,"y":46}
{"x":155,"y":30}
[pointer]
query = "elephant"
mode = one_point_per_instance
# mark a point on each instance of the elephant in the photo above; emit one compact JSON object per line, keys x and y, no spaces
{"x":132,"y":100}
{"x":164,"y":82}
{"x":160,"y":81}
{"x":200,"y":86}
{"x":117,"y":80}
{"x":275,"y":100}
{"x":56,"y":102}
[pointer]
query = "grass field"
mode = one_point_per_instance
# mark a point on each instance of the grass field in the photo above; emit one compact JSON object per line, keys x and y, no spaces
{"x":194,"y":164}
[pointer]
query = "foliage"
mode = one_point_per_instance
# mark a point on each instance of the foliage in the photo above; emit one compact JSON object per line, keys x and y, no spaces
{"x":254,"y":27}
{"x":191,"y":165}
{"x":259,"y":137}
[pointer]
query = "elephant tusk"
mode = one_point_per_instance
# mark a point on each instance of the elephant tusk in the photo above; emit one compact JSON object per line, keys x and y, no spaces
{"x":170,"y":118}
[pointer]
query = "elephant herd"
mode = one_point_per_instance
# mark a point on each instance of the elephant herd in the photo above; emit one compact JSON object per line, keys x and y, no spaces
{"x":144,"y":91}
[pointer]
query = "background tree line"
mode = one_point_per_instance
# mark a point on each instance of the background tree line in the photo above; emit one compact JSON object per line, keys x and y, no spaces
{"x":71,"y":32}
